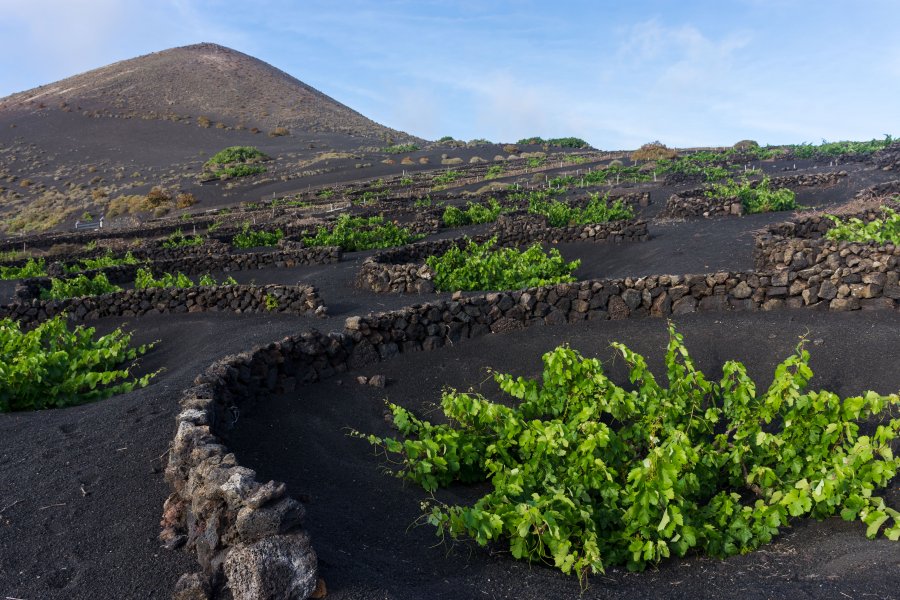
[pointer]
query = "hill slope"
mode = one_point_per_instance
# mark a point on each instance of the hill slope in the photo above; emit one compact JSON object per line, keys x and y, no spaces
{"x":71,"y":149}
{"x":202,"y":81}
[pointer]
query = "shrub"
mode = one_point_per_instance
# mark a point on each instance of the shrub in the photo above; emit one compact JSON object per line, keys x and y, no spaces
{"x":235,"y":154}
{"x":745,"y":145}
{"x":271,"y":302}
{"x":31,"y":268}
{"x":177,"y":239}
{"x":279,"y":132}
{"x":760,"y":153}
{"x":880,"y":231}
{"x":568,"y":142}
{"x":51,"y":366}
{"x":755,"y":199}
{"x":711,"y":165}
{"x":494,"y":171}
{"x":483,"y":267}
{"x":833,"y":149}
{"x":564,"y":142}
{"x":158,"y":196}
{"x":597,"y":210}
{"x":185,"y":200}
{"x":235,"y":161}
{"x":103,"y":262}
{"x":654,"y":151}
{"x":400,"y":148}
{"x":78,"y":287}
{"x":144,"y":279}
{"x":127,"y":204}
{"x":249,"y":238}
{"x":473,"y":214}
{"x":586,"y":474}
{"x":446,"y":177}
{"x":361,"y":233}
{"x":238,"y":171}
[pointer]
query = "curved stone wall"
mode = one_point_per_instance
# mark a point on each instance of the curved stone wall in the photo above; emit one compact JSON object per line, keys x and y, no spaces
{"x":694,"y":203}
{"x":248,"y":535}
{"x":402,"y":270}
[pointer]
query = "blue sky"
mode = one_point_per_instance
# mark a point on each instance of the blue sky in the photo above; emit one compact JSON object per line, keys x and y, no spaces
{"x":618,"y":74}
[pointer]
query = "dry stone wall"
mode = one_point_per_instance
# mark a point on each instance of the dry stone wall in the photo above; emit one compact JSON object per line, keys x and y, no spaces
{"x":886,"y":192}
{"x":401,"y":270}
{"x":845,"y":275}
{"x":300,"y":299}
{"x":888,"y":159}
{"x":239,"y":527}
{"x":694,"y":203}
{"x":191,"y":264}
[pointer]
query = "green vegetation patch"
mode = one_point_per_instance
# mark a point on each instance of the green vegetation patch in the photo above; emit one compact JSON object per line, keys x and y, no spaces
{"x":31,"y":268}
{"x":612,"y":174}
{"x":585,"y":473}
{"x":484,"y":267}
{"x":597,"y":210}
{"x":833,"y":149}
{"x":755,"y":199}
{"x":400,"y":148}
{"x":144,"y":279}
{"x":494,"y":171}
{"x":249,"y":238}
{"x":473,"y":214}
{"x":177,"y":239}
{"x":51,"y":366}
{"x":711,"y":165}
{"x":446,"y":178}
{"x":362,"y":233}
{"x":563,"y":142}
{"x":78,"y":287}
{"x":235,"y":154}
{"x":235,"y":161}
{"x":880,"y":231}
{"x":103,"y":262}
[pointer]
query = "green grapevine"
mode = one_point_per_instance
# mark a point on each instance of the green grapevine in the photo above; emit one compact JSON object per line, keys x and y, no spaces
{"x":586,"y":474}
